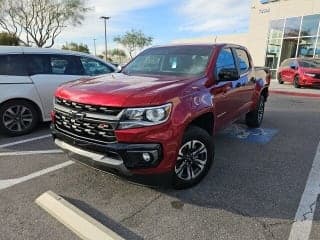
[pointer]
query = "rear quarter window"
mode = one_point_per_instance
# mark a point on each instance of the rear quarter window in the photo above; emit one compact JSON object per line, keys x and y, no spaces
{"x":13,"y":65}
{"x":243,"y":60}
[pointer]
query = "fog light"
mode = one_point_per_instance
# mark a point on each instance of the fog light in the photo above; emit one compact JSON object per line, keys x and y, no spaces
{"x":146,"y":157}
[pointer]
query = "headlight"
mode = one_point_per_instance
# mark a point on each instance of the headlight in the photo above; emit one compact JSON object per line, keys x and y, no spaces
{"x":310,"y":74}
{"x":142,"y":117}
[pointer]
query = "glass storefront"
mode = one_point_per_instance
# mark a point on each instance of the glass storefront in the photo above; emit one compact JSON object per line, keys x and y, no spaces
{"x":292,"y":37}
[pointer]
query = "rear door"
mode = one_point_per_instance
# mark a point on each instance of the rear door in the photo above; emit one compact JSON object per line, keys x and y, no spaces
{"x":48,"y":71}
{"x":225,"y":93}
{"x":247,"y":79}
{"x":292,"y":69}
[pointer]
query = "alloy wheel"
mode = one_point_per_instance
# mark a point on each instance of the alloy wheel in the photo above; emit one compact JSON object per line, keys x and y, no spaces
{"x":17,"y":118}
{"x":261,"y":110}
{"x":192,"y":159}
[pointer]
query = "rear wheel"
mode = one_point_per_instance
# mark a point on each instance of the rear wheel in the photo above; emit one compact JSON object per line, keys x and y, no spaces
{"x":255,"y":117}
{"x":17,"y":117}
{"x":296,"y":82}
{"x":194,"y":158}
{"x":280,"y":81}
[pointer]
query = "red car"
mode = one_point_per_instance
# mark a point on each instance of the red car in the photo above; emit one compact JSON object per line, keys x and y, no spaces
{"x":158,"y":116}
{"x":300,"y":71}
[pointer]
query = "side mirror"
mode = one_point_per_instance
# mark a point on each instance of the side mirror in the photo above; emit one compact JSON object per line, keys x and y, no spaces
{"x":228,"y":74}
{"x":293,"y":67}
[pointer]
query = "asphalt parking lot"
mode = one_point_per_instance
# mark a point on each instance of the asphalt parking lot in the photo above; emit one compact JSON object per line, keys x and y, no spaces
{"x":253,"y":190}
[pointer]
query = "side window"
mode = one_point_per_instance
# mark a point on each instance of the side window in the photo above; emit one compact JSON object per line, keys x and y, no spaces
{"x":65,"y":65}
{"x":225,"y":61}
{"x":3,"y":64}
{"x":38,"y":64}
{"x":13,"y":65}
{"x":243,"y":60}
{"x":93,"y":67}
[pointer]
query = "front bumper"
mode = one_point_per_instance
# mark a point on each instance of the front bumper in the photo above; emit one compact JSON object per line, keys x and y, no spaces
{"x":121,"y":157}
{"x":310,"y":81}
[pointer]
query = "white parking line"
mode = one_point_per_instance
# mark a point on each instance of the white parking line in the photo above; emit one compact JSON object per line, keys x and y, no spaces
{"x":11,"y":182}
{"x":21,"y":153}
{"x":302,"y":225}
{"x":75,"y":219}
{"x":24,"y":141}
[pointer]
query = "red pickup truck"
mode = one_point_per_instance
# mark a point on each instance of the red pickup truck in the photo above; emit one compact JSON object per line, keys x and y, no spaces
{"x":159,"y":114}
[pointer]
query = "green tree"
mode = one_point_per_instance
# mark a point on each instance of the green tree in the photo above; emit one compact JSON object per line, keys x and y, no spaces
{"x":8,"y":39}
{"x":117,"y":55}
{"x":76,"y":47}
{"x":133,"y":41}
{"x":39,"y":22}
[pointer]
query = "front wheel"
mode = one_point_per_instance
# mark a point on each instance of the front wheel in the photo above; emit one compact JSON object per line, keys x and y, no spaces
{"x":255,"y":117}
{"x":195,"y":157}
{"x":296,"y":82}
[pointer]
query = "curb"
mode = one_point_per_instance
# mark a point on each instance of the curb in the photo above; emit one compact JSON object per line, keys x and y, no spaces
{"x":312,"y":95}
{"x":73,"y":218}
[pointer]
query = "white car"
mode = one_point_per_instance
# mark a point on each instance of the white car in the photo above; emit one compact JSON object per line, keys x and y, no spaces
{"x":29,"y":78}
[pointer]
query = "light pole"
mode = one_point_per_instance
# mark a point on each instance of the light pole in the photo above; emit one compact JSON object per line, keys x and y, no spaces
{"x":105,"y":34}
{"x":95,"y":49}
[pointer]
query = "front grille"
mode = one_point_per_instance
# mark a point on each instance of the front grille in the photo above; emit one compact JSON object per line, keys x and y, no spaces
{"x":90,"y":125}
{"x":113,"y":111}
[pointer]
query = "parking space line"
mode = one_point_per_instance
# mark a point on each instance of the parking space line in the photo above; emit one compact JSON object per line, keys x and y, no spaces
{"x":22,"y":153}
{"x":73,"y":218}
{"x":24,"y":141}
{"x":302,"y":225}
{"x":11,"y":182}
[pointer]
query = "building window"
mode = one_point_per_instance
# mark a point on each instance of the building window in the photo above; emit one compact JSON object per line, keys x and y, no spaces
{"x":276,"y":28}
{"x":292,"y":27}
{"x":310,"y":25}
{"x":307,"y":47}
{"x":292,"y":37}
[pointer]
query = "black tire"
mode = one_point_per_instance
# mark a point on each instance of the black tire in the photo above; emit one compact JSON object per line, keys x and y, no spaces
{"x":255,"y":117}
{"x":24,"y":118}
{"x":296,"y":82}
{"x":280,"y":81}
{"x":198,"y":140}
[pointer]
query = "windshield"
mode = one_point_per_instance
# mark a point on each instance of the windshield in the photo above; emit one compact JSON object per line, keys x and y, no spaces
{"x":310,"y":63}
{"x":175,"y":60}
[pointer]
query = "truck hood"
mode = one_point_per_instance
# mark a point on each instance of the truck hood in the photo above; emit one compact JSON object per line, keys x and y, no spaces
{"x":120,"y":90}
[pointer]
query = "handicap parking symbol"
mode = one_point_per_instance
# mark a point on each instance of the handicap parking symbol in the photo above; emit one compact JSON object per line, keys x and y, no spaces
{"x":255,"y":135}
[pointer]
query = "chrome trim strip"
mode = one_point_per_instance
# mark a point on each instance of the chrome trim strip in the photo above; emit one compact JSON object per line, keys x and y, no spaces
{"x":100,"y":158}
{"x":91,"y":140}
{"x":88,"y":114}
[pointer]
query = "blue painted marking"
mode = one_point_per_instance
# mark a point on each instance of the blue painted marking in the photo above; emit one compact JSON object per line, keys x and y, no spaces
{"x":255,"y":135}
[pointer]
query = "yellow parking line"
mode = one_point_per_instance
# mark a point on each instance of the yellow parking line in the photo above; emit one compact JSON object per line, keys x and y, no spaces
{"x":73,"y":218}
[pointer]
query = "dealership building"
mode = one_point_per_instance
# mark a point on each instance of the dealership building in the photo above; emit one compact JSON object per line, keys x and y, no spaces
{"x":278,"y":29}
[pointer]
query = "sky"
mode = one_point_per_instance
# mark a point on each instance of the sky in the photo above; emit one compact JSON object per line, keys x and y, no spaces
{"x":164,"y":20}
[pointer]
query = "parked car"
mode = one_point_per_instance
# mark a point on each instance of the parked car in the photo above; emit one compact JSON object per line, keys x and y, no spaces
{"x":159,"y":115}
{"x":28,"y":79}
{"x":300,"y":71}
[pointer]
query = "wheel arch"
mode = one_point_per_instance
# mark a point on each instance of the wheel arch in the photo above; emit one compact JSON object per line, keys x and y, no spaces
{"x":204,"y":121}
{"x":36,"y":106}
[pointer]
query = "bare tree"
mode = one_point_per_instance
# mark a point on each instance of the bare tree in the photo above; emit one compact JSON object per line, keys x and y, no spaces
{"x":39,"y":22}
{"x":133,"y":41}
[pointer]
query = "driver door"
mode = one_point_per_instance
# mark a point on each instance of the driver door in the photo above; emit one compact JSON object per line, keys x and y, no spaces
{"x":226,"y":91}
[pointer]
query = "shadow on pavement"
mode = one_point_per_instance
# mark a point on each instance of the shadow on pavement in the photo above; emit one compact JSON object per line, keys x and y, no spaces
{"x":102,"y":218}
